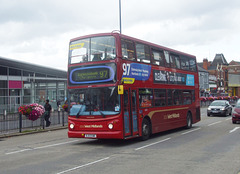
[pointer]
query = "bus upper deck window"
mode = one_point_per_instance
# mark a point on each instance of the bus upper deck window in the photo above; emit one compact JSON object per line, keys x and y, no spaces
{"x":128,"y":49}
{"x":143,"y":53}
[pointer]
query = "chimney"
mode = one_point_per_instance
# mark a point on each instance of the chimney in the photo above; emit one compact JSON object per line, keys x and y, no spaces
{"x":205,"y":64}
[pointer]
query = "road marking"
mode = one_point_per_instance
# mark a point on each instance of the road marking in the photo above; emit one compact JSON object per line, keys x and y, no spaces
{"x":214,"y":123}
{"x":78,"y":167}
{"x":228,"y":119}
{"x":236,"y":128}
{"x":191,"y":131}
{"x":19,"y":151}
{"x":41,"y":147}
{"x":152,"y":144}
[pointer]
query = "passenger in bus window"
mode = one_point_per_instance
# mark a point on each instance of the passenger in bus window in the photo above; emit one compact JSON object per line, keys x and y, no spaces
{"x":130,"y":56}
{"x":97,"y":57}
{"x":146,"y":101}
{"x":84,"y":58}
{"x":108,"y":57}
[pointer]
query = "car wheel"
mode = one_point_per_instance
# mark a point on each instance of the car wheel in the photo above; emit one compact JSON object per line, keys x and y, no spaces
{"x":230,"y":113}
{"x":146,"y":130}
{"x":234,"y":122}
{"x":226,"y":114}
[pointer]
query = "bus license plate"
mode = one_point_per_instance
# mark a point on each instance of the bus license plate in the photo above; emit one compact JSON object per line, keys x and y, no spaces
{"x":90,"y":136}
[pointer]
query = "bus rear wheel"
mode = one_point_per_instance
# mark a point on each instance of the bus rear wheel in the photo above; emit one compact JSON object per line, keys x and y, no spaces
{"x":189,"y":121}
{"x":146,"y":130}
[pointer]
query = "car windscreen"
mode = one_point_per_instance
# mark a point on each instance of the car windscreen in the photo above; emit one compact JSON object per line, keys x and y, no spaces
{"x":218,"y":103}
{"x":237,"y":105}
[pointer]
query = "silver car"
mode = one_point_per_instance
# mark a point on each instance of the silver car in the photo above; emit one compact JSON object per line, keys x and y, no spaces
{"x":219,"y":107}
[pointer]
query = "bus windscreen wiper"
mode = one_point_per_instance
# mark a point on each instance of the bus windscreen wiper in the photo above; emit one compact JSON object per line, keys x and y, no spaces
{"x":102,"y":114}
{"x":77,"y":116}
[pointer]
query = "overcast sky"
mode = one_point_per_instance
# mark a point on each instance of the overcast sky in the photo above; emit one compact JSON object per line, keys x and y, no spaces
{"x":38,"y":31}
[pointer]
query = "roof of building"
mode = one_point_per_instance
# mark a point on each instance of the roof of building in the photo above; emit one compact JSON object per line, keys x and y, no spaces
{"x":32,"y":67}
{"x":219,"y":59}
{"x":233,"y":62}
{"x":200,"y":69}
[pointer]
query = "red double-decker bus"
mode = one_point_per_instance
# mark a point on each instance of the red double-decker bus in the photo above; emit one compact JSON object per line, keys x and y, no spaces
{"x":120,"y":87}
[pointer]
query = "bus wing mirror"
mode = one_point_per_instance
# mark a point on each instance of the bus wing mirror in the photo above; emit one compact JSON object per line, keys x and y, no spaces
{"x":120,"y":89}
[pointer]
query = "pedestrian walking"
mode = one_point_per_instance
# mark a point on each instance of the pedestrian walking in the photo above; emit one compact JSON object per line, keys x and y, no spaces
{"x":47,"y":113}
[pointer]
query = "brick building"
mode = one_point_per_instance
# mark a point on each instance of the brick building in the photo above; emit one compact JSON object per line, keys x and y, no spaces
{"x":224,"y":77}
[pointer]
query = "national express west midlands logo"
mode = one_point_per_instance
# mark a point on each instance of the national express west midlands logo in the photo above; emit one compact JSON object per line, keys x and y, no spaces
{"x":165,"y":77}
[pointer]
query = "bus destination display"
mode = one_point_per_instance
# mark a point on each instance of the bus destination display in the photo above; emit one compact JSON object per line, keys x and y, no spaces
{"x":96,"y":74}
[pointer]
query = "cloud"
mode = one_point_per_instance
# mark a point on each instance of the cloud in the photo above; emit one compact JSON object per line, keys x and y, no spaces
{"x":40,"y":30}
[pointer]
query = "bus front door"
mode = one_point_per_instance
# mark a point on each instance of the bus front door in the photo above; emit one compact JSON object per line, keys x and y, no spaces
{"x":130,"y":113}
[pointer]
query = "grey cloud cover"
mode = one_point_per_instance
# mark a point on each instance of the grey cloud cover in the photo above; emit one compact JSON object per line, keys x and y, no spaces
{"x":39,"y":31}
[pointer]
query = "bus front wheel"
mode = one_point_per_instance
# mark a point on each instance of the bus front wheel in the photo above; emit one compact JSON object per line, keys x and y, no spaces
{"x":146,"y":130}
{"x":189,"y":121}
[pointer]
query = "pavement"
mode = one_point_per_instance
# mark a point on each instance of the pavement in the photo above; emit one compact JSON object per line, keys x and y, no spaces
{"x":33,"y":131}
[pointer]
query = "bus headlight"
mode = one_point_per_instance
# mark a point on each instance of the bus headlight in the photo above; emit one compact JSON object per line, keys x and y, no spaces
{"x":110,"y":126}
{"x":71,"y":126}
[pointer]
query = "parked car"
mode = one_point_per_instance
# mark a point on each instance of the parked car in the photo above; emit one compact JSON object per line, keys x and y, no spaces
{"x":236,"y":113}
{"x":219,"y":107}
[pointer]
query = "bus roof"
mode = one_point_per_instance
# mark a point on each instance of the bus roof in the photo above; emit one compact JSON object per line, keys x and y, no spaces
{"x":134,"y":39}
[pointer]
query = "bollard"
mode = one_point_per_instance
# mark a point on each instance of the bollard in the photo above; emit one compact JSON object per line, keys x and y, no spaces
{"x":43,"y":125}
{"x":63,"y":118}
{"x":5,"y":114}
{"x":59,"y":109}
{"x":20,"y":123}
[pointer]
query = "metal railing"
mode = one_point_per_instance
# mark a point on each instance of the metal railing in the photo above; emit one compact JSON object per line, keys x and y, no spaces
{"x":15,"y":122}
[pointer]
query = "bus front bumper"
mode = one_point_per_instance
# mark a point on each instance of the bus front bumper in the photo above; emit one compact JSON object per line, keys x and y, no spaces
{"x":96,"y":135}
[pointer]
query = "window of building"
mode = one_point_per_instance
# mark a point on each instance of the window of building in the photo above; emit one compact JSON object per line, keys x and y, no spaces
{"x":3,"y":84}
{"x":41,"y":85}
{"x":160,"y":97}
{"x":41,"y":95}
{"x":3,"y":70}
{"x":26,"y":85}
{"x":26,"y":99}
{"x":52,"y":95}
{"x":40,"y":75}
{"x":28,"y":73}
{"x":128,"y":51}
{"x":61,"y":85}
{"x":3,"y":101}
{"x":3,"y":92}
{"x":61,"y":95}
{"x":51,"y":76}
{"x":15,"y":72}
{"x":158,"y":58}
{"x":52,"y":84}
{"x":143,"y":53}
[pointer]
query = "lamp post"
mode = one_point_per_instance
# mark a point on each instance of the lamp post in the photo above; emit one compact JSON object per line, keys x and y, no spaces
{"x":120,"y":18}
